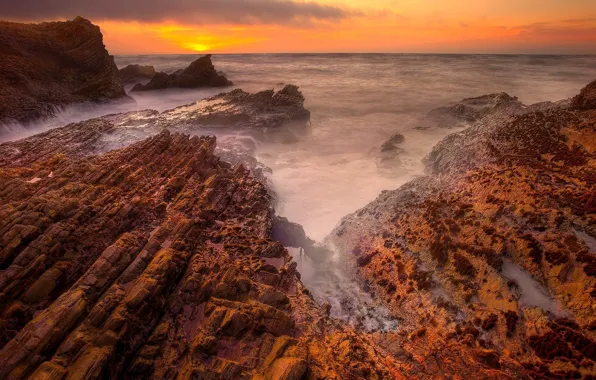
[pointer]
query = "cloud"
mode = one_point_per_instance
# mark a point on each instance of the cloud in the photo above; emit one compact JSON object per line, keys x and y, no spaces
{"x":183,"y":11}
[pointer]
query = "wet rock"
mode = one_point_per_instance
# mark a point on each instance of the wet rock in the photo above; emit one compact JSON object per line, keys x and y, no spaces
{"x":50,"y":65}
{"x":135,"y":73}
{"x":510,"y":190}
{"x":470,"y":110}
{"x":586,"y":99}
{"x":97,"y":280}
{"x":200,"y":73}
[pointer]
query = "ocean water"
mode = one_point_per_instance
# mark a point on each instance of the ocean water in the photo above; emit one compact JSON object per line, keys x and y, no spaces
{"x":357,"y":101}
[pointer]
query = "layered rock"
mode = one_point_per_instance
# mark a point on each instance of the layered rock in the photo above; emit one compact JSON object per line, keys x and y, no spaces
{"x":49,"y":65}
{"x":157,"y":261}
{"x":200,"y":73}
{"x":261,"y":115}
{"x":493,"y":252}
{"x":135,"y":73}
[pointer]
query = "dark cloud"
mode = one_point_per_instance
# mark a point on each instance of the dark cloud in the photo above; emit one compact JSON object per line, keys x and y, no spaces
{"x":189,"y":11}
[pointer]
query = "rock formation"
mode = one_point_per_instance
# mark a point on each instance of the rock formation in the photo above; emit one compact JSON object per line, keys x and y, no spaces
{"x":49,"y":65}
{"x":200,"y":73}
{"x":159,"y":259}
{"x":493,"y":252}
{"x":389,"y":153}
{"x":135,"y":73}
{"x":261,"y":115}
{"x":468,"y":111}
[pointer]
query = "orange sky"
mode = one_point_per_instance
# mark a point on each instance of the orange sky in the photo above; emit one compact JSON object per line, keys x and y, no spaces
{"x":427,"y":26}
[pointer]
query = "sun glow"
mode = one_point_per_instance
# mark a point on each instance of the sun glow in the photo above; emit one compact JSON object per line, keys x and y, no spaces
{"x":198,"y":47}
{"x":417,"y":26}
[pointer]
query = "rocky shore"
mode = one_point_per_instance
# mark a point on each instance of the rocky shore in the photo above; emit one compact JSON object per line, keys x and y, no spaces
{"x":132,"y":246}
{"x":50,"y":65}
{"x":493,"y":252}
{"x":155,"y":261}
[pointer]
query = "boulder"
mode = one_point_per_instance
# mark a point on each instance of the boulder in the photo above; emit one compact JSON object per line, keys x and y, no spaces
{"x":495,"y":222}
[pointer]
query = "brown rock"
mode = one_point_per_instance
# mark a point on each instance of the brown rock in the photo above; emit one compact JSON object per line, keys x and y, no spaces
{"x":50,"y":65}
{"x":586,"y":99}
{"x":200,"y":73}
{"x":135,"y":73}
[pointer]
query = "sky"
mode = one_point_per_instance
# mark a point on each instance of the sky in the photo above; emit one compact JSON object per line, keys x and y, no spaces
{"x":287,"y":26}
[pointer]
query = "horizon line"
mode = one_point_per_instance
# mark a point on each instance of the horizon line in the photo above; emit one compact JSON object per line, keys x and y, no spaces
{"x":363,"y":53}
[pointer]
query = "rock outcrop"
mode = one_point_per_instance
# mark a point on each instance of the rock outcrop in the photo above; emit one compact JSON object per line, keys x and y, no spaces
{"x":493,"y":252}
{"x":161,"y":260}
{"x":135,"y":73}
{"x":50,"y":65}
{"x":157,"y":261}
{"x":200,"y":73}
{"x":468,"y":111}
{"x":261,"y":115}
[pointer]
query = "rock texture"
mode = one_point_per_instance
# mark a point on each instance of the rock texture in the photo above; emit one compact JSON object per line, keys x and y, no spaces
{"x":156,"y":261}
{"x":493,"y":253}
{"x":468,"y":111}
{"x":135,"y":73}
{"x":49,"y":65}
{"x":160,"y":260}
{"x":261,"y":115}
{"x":200,"y":73}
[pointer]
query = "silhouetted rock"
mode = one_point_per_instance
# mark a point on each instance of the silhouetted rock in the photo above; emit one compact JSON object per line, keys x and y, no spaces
{"x":200,"y":73}
{"x":50,"y":65}
{"x":136,"y":73}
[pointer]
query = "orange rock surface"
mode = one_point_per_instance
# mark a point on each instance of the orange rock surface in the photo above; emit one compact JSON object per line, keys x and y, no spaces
{"x":494,"y":250}
{"x":157,"y":260}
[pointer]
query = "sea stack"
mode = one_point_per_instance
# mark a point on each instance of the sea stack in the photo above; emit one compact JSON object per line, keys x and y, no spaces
{"x":200,"y":73}
{"x":50,"y":65}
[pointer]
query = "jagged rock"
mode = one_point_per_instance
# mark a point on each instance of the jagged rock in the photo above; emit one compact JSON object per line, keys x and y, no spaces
{"x":471,"y":110}
{"x":531,"y":130}
{"x":496,"y":219}
{"x":147,"y":262}
{"x":259,"y":114}
{"x":586,"y":99}
{"x":135,"y":73}
{"x":50,"y":65}
{"x":200,"y":73}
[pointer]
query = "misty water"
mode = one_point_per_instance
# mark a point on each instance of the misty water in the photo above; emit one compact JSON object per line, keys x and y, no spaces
{"x":357,"y":101}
